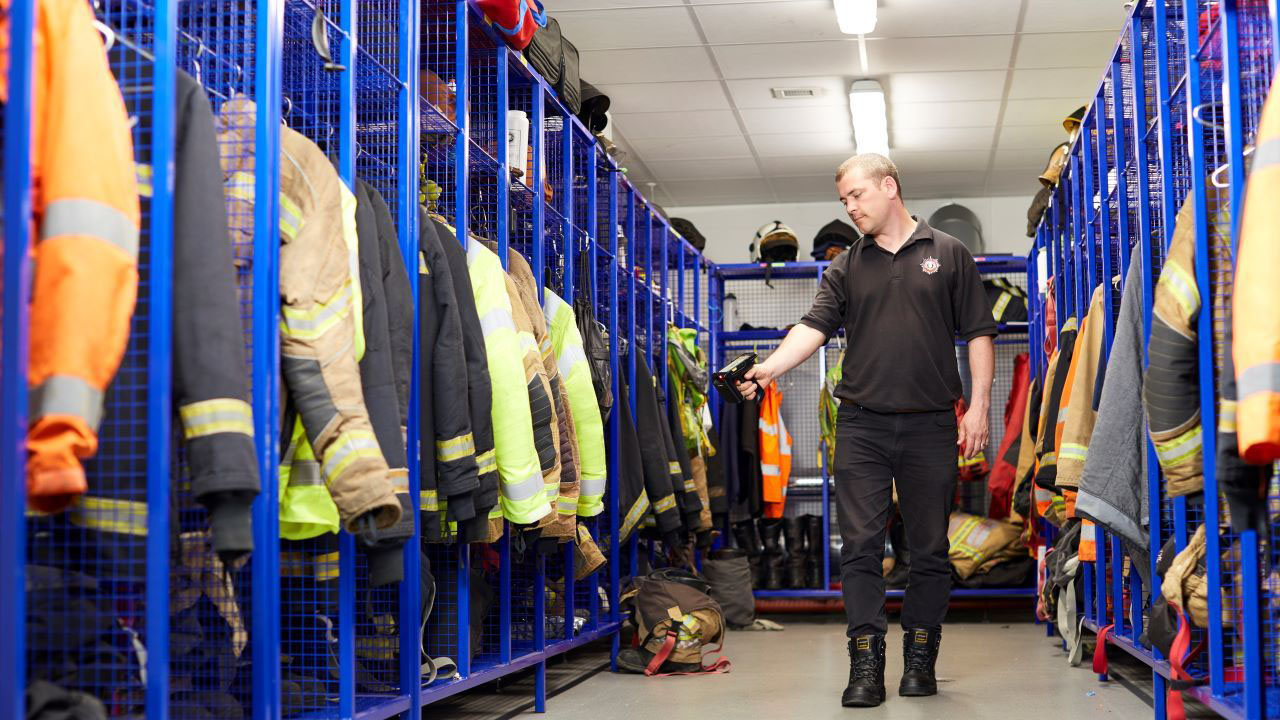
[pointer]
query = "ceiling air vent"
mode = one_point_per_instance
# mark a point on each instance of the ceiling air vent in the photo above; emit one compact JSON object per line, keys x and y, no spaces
{"x":795,"y":93}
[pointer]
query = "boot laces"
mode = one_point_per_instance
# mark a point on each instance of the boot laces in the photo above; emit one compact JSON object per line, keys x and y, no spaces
{"x":918,"y":657}
{"x":863,"y":666}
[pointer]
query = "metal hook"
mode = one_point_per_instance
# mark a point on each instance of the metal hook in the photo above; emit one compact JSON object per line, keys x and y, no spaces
{"x":196,"y":63}
{"x":288,"y":107}
{"x":108,"y":35}
{"x":1195,"y":115}
{"x":1216,"y":176}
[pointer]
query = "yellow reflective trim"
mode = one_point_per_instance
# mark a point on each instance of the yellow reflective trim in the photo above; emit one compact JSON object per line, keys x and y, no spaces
{"x":567,"y":507}
{"x":487,"y":461}
{"x":399,"y":478}
{"x":455,"y":448}
{"x":313,"y":323}
{"x":145,"y":177}
{"x":1183,"y":287}
{"x":1180,"y":448}
{"x":109,"y":514}
{"x":637,"y":511}
{"x":1073,"y":451}
{"x":665,"y":504}
{"x":1002,"y":304}
{"x":218,"y":415}
{"x":1227,"y":417}
{"x":428,"y":501}
{"x":347,"y":450}
{"x":422,"y":264}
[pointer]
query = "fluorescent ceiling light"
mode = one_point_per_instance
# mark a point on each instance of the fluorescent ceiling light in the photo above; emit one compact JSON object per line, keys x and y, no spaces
{"x":870,"y":120}
{"x":856,"y":17}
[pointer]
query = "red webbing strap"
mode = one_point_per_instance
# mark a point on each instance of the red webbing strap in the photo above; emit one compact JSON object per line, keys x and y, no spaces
{"x":661,"y":656}
{"x":1180,"y":655}
{"x":1100,"y":650}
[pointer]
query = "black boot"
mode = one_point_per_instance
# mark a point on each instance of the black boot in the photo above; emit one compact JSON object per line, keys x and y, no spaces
{"x":794,"y":530}
{"x":866,"y":672}
{"x":747,"y":535}
{"x":816,"y":532}
{"x":919,"y":655}
{"x":771,"y":533}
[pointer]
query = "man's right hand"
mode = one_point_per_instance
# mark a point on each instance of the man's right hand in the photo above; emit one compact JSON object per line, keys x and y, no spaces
{"x":761,"y":373}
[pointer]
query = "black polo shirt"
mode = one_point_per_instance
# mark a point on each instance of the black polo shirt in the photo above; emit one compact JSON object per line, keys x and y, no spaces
{"x":902,"y":314}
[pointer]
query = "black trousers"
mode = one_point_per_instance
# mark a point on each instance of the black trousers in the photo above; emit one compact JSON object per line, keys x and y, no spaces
{"x":873,"y":450}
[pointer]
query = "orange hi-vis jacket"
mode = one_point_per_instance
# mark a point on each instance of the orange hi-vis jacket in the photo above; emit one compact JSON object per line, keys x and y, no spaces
{"x":1255,"y":322}
{"x":85,"y":204}
{"x":775,"y":452}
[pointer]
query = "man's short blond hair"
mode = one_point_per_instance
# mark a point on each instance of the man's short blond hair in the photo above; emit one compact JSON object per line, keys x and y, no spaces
{"x":875,"y":166}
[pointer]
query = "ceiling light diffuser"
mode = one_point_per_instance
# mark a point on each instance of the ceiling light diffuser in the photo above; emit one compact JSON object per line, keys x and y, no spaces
{"x":870,"y":117}
{"x":856,"y":17}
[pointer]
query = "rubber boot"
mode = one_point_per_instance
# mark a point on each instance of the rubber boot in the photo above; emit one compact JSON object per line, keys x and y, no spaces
{"x":774,"y":557}
{"x":816,"y":532}
{"x":919,"y":655}
{"x":747,"y":535}
{"x":866,"y":672}
{"x":793,"y":528}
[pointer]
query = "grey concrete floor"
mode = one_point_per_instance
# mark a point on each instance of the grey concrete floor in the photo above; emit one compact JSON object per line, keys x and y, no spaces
{"x":985,"y":671}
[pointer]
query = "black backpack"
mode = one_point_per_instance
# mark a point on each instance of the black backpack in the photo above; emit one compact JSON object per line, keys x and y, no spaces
{"x":556,"y":60}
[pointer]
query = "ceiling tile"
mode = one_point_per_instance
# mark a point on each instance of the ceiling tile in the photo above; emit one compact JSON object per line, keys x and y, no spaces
{"x":975,"y":52}
{"x":911,"y":163}
{"x":810,"y":188}
{"x":907,"y":116}
{"x":777,"y":144}
{"x":1031,"y":137}
{"x":916,"y":18}
{"x":1038,"y":112}
{"x":631,"y":28}
{"x":759,"y":93}
{"x":646,"y":65}
{"x":1078,"y":15}
{"x":744,"y":167}
{"x":802,"y":164}
{"x":936,"y":139}
{"x":677,"y":124}
{"x":813,"y":119}
{"x":945,"y":86}
{"x":1058,"y":83}
{"x":718,"y":192}
{"x":562,"y":5}
{"x":691,"y":148}
{"x":1056,"y":50}
{"x":665,"y":96}
{"x":1012,"y":184}
{"x":1022,"y":158}
{"x":839,"y":57}
{"x":802,"y":20}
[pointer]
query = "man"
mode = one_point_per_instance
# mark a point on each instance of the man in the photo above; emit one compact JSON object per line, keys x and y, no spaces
{"x":903,"y":294}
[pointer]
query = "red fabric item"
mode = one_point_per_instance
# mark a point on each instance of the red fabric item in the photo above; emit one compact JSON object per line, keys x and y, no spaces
{"x":1050,"y":320}
{"x":515,"y":20}
{"x":1100,"y":650}
{"x":719,"y":667}
{"x":974,"y":468}
{"x":1005,"y":470}
{"x":1180,"y":655}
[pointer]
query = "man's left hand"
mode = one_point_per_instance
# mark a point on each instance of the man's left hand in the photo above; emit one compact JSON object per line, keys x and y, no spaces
{"x":972,"y":435}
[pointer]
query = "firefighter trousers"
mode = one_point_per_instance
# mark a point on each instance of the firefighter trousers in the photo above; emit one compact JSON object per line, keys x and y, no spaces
{"x":873,"y":450}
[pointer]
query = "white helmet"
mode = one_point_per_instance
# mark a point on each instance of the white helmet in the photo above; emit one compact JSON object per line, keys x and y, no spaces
{"x":774,"y":242}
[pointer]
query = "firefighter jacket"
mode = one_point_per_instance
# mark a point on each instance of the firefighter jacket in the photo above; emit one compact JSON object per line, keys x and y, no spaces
{"x":717,"y":481}
{"x":1008,"y":301}
{"x":1256,"y":343}
{"x":1056,"y":379}
{"x":545,"y":422}
{"x":775,"y":452}
{"x":513,"y":365}
{"x":378,"y":382}
{"x":1243,"y":485}
{"x":687,"y":366}
{"x":575,"y":371}
{"x":696,"y":505}
{"x":1024,"y":477}
{"x":1113,"y":486}
{"x":659,"y":474}
{"x":1001,"y":480}
{"x":317,"y":334}
{"x":677,"y":459}
{"x":562,"y":522}
{"x":828,"y":409}
{"x":1080,"y":410}
{"x":395,"y":282}
{"x":468,"y":478}
{"x":976,"y":467}
{"x":633,"y":500}
{"x":1170,"y":391}
{"x":85,"y":278}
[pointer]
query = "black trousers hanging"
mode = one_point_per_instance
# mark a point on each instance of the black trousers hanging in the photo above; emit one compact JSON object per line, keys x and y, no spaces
{"x":873,"y":449}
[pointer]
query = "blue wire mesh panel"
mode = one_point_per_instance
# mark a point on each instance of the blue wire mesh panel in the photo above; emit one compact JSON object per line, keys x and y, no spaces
{"x":486,"y":615}
{"x":1152,"y":70}
{"x":86,"y":566}
{"x":524,"y":588}
{"x":309,"y":593}
{"x":440,"y":638}
{"x":437,"y":185}
{"x":482,"y":100}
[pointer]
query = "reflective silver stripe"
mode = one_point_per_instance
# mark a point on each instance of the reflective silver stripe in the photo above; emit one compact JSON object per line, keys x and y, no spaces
{"x":673,"y":467}
{"x":1266,"y":155}
{"x":305,"y":473}
{"x":1069,"y":325}
{"x":593,"y":487}
{"x":89,"y":217}
{"x":525,"y":489}
{"x":1261,"y":378}
{"x":144,"y":173}
{"x":665,"y":504}
{"x":110,"y":515}
{"x":570,"y":356}
{"x":1001,"y":304}
{"x":427,"y":501}
{"x":771,"y":428}
{"x":770,"y":470}
{"x":455,"y":448}
{"x":315,"y":321}
{"x":65,"y":395}
{"x":497,"y":319}
{"x":689,"y":486}
{"x":1171,"y":452}
{"x":486,"y":462}
{"x":1183,"y":286}
{"x":349,"y":448}
{"x":214,"y":416}
{"x":1073,"y":451}
{"x":567,"y":507}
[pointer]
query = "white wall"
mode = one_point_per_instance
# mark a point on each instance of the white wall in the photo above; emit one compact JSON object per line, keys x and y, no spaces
{"x":729,"y":228}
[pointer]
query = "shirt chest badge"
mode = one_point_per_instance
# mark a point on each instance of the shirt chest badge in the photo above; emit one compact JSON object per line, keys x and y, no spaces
{"x":930,"y":265}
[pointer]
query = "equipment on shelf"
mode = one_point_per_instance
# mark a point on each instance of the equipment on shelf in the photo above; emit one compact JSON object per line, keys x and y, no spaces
{"x":774,"y":242}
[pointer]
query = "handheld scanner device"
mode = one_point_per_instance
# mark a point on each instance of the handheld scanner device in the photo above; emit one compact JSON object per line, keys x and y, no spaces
{"x":727,"y":378}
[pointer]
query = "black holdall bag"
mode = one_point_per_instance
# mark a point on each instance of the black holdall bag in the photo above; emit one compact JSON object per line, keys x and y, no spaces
{"x":546,"y":52}
{"x":570,"y":86}
{"x":729,"y":573}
